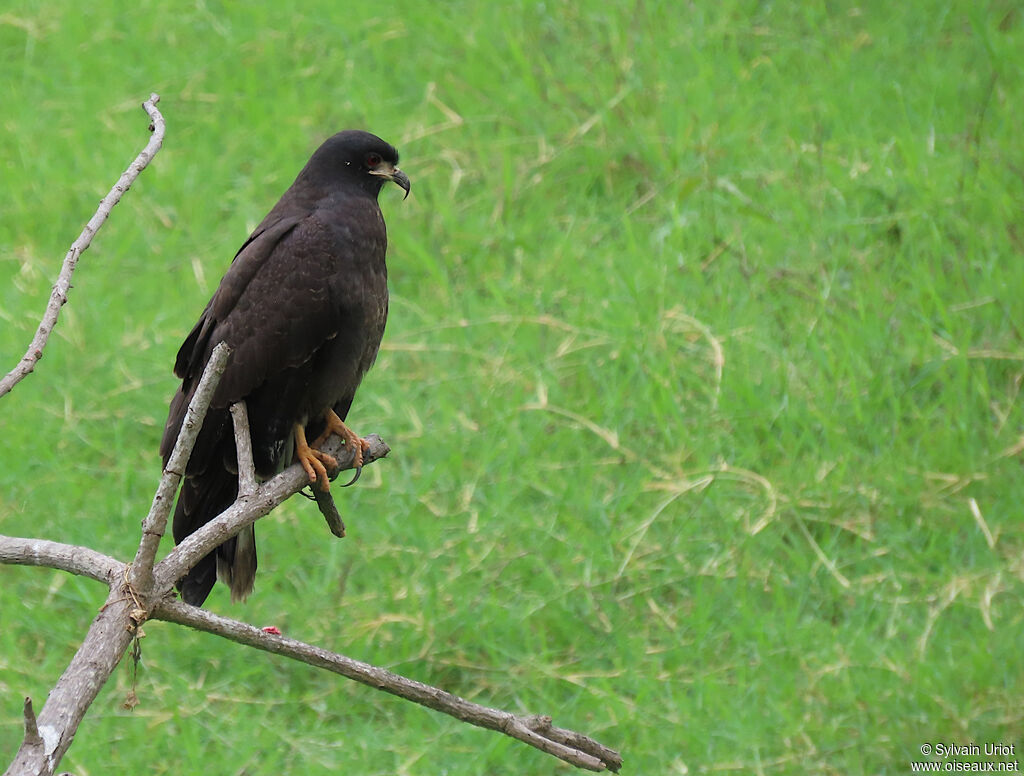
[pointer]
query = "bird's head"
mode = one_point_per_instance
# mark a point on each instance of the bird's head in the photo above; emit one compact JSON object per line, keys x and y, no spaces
{"x":358,"y":157}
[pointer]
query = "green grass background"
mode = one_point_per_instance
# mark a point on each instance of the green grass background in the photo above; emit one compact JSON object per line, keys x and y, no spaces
{"x":702,"y":376}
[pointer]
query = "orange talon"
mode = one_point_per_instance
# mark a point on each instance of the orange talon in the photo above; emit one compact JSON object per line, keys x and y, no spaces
{"x":364,"y":447}
{"x":336,"y":425}
{"x":313,"y":460}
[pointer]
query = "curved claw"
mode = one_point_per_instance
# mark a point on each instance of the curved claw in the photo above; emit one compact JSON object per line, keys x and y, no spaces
{"x":359,"y":470}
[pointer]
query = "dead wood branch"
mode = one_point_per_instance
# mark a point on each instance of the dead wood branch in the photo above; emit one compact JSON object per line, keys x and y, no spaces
{"x":101,"y":650}
{"x":82,"y":561}
{"x":155,"y":523}
{"x":537,"y":731}
{"x":131,"y":595}
{"x":59,"y":294}
{"x":250,"y":508}
{"x":325,"y":503}
{"x":243,"y":446}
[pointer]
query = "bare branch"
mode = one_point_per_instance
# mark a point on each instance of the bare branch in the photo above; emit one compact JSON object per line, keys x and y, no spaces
{"x":155,"y":523}
{"x":101,"y":650}
{"x":325,"y":503}
{"x":248,"y":509}
{"x":32,"y":737}
{"x":59,"y":294}
{"x":66,"y":557}
{"x":243,"y":446}
{"x":542,"y":724}
{"x":537,"y":731}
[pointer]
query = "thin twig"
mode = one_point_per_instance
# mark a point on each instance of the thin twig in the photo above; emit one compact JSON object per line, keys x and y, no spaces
{"x":537,"y":731}
{"x":32,"y":737}
{"x":325,"y":503}
{"x":59,"y":294}
{"x":155,"y":523}
{"x":243,"y":446}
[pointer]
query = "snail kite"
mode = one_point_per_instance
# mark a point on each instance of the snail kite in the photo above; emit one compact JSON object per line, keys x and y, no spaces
{"x":303,"y":307}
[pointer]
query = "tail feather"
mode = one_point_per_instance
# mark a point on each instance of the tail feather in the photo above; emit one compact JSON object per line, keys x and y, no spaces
{"x":203,"y":497}
{"x":210,"y":486}
{"x":236,"y":564}
{"x":197,"y":584}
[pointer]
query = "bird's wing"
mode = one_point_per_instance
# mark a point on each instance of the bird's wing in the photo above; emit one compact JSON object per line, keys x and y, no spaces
{"x":289,"y":290}
{"x":208,"y":332}
{"x":253,"y":254}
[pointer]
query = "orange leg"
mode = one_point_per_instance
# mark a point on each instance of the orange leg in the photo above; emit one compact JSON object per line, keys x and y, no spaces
{"x":316,"y":462}
{"x":336,"y":425}
{"x":313,"y":461}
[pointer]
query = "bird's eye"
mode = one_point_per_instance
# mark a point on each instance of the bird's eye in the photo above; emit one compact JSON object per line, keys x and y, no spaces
{"x":372,"y":160}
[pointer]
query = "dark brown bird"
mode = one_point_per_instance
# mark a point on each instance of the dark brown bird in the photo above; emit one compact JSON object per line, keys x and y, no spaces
{"x":303,"y":307}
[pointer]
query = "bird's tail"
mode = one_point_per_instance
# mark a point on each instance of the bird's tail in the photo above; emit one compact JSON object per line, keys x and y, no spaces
{"x":236,"y":563}
{"x":202,"y":498}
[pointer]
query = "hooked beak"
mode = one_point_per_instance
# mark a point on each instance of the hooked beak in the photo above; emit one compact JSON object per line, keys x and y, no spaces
{"x":393,"y":174}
